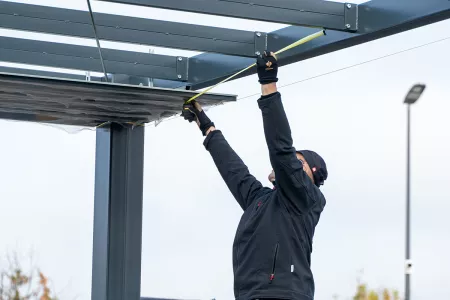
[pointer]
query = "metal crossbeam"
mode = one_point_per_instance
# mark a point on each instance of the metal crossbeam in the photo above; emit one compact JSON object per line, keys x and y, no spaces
{"x":45,"y":73}
{"x":377,"y":19}
{"x":87,"y":58}
{"x":77,"y":23}
{"x":115,"y":78}
{"x":313,"y":13}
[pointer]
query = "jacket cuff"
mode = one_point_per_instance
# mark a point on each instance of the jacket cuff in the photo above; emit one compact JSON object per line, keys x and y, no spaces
{"x":265,"y":100}
{"x":209,"y":137}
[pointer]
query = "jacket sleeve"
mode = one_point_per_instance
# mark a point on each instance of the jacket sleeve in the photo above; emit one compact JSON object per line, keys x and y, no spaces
{"x":292,"y":181}
{"x":244,"y":186}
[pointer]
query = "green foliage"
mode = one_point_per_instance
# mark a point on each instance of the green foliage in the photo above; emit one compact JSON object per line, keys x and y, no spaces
{"x":363,"y":293}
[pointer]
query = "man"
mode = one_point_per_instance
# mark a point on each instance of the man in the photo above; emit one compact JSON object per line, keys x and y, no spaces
{"x":273,"y":244}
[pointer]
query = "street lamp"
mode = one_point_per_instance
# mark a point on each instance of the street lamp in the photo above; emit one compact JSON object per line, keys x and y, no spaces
{"x":413,"y":95}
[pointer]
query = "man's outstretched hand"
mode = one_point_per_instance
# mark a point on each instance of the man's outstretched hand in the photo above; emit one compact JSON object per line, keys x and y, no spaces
{"x":267,"y":66}
{"x":193,"y":112}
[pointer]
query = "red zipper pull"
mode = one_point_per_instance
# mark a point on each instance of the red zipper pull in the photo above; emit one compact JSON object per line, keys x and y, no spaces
{"x":272,"y":276}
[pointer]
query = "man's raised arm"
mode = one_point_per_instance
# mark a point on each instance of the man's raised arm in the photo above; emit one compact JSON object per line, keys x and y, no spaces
{"x":291,"y":179}
{"x":244,"y":186}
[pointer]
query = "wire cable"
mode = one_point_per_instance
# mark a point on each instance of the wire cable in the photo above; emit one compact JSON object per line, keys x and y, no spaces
{"x":97,"y":40}
{"x":355,"y":65}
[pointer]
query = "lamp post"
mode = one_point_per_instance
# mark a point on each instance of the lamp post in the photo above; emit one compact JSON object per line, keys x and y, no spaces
{"x":413,"y":95}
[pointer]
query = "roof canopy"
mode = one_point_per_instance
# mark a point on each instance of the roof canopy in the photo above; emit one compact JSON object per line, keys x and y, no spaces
{"x":226,"y":51}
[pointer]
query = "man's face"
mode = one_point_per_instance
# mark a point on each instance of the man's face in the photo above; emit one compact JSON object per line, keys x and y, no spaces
{"x":306,"y":168}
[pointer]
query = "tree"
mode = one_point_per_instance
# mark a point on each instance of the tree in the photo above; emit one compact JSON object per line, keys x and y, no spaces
{"x":373,"y":296}
{"x":363,"y":293}
{"x":16,"y":284}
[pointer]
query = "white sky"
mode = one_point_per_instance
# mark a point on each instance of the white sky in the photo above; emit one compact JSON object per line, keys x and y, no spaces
{"x":355,"y":118}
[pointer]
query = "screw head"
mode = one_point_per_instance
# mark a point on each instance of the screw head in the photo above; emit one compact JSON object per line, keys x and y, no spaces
{"x":348,"y":25}
{"x":179,"y":76}
{"x":258,"y":34}
{"x":258,"y":53}
{"x":180,"y":58}
{"x":349,"y":5}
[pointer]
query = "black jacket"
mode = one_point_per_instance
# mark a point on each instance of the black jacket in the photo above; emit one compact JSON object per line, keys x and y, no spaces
{"x":273,"y":243}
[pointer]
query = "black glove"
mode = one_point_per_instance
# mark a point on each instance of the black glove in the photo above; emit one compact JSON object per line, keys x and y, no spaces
{"x":267,"y":66}
{"x":191,"y":113}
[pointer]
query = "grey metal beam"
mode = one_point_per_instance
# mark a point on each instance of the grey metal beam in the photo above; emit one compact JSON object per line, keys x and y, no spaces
{"x":377,"y":19}
{"x":44,"y":73}
{"x":314,"y":13}
{"x":114,"y":78}
{"x":68,"y":22}
{"x":87,"y":58}
{"x":119,"y":161}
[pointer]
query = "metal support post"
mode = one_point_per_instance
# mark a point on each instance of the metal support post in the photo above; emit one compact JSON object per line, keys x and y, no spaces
{"x":408,"y":206}
{"x":116,"y":273}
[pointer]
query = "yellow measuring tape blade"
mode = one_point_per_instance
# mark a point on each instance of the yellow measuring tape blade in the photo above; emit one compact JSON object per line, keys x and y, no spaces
{"x":293,"y":45}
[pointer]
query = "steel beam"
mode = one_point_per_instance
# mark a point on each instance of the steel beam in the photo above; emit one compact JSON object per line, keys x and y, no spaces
{"x":44,"y":73}
{"x":377,"y":19}
{"x":68,"y":22}
{"x":87,"y":58}
{"x":116,"y":270}
{"x":114,"y":78}
{"x":313,"y":13}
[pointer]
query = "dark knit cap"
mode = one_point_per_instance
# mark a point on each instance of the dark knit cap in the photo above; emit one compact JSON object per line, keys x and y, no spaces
{"x":317,"y":165}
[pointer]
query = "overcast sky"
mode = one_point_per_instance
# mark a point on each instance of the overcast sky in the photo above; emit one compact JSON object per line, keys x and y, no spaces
{"x":354,"y":118}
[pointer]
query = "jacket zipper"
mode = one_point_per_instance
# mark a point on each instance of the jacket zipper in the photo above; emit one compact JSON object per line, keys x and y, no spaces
{"x":272,"y":274}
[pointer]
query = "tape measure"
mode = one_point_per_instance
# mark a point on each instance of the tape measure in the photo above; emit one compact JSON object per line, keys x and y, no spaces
{"x":293,"y":45}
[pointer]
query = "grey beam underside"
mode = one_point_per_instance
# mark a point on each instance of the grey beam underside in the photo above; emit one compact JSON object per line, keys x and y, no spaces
{"x":45,"y":73}
{"x":377,"y":19}
{"x":77,"y":23}
{"x":86,"y":58}
{"x":313,"y":13}
{"x":21,"y":71}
